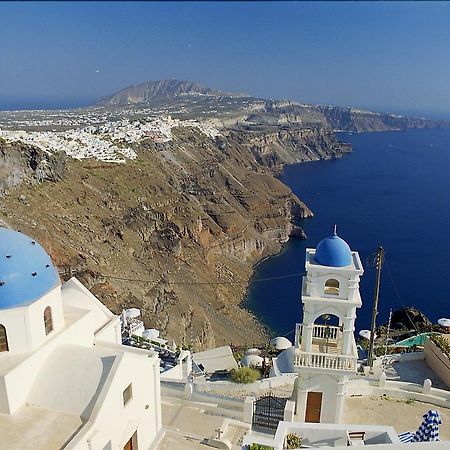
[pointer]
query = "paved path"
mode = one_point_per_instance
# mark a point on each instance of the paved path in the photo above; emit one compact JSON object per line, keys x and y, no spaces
{"x":403,"y":415}
{"x":188,"y":423}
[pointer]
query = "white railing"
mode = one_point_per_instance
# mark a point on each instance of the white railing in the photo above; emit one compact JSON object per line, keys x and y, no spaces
{"x":326,"y":331}
{"x":319,"y":332}
{"x":325,"y":361}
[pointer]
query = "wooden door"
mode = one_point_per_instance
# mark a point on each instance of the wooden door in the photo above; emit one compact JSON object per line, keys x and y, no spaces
{"x":313,"y":407}
{"x":129,"y":445}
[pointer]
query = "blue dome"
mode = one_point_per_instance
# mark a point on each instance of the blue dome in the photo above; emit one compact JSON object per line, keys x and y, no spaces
{"x":26,"y":271}
{"x":333,"y":252}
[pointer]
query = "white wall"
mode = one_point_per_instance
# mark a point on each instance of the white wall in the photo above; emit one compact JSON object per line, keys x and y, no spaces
{"x":113,"y":423}
{"x":329,"y":386}
{"x":20,"y":377}
{"x":25,"y":326}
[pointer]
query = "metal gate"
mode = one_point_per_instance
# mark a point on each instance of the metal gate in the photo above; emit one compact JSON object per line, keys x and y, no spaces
{"x":267,"y":412}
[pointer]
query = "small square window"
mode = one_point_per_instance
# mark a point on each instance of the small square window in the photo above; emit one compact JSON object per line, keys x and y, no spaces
{"x":127,"y":394}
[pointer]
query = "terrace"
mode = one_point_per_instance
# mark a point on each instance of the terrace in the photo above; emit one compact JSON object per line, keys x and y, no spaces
{"x":325,"y":435}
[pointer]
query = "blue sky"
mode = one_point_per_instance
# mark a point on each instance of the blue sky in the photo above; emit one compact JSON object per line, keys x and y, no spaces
{"x":380,"y":55}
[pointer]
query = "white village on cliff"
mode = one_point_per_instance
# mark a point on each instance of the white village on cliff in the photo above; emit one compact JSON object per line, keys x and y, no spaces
{"x":73,"y":375}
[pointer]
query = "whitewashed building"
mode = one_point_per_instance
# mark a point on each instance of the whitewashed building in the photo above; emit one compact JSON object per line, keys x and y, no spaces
{"x":325,"y":351}
{"x":66,"y":381}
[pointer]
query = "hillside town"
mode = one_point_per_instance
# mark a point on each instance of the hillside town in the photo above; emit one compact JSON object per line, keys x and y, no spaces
{"x":109,"y":142}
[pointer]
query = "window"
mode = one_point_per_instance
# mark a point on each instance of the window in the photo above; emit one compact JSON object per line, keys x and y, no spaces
{"x":127,"y":394}
{"x":332,"y":287}
{"x":48,"y":322}
{"x":3,"y":339}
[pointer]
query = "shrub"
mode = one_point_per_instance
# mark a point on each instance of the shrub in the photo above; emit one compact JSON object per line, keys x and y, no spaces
{"x":442,"y":343}
{"x":244,"y":375}
{"x":258,"y":447}
{"x":293,"y":441}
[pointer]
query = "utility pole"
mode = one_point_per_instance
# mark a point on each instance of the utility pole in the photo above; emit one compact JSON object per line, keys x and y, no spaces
{"x":379,"y":264}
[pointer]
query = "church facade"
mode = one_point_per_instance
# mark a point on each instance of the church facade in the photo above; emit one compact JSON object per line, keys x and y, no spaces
{"x":66,"y":380}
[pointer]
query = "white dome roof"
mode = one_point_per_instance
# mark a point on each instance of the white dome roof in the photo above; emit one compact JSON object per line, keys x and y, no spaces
{"x":252,"y":360}
{"x":26,"y":270}
{"x":253,"y":351}
{"x":281,"y":343}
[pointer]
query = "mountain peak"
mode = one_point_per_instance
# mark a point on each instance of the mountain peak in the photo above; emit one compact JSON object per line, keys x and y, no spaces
{"x":150,"y":91}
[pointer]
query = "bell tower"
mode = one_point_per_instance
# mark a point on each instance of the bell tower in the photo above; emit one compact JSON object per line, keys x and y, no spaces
{"x":325,"y":347}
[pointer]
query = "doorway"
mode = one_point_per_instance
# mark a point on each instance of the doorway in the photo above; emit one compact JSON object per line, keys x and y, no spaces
{"x":132,"y":443}
{"x":313,"y":407}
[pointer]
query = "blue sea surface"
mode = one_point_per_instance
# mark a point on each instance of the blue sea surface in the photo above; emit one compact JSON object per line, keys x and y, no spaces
{"x":392,"y":190}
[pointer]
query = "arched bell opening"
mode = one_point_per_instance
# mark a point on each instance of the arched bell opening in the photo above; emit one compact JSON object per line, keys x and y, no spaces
{"x":331,"y":287}
{"x":327,"y":334}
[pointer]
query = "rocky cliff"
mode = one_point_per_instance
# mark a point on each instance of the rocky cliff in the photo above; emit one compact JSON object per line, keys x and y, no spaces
{"x":19,"y":162}
{"x":174,"y":232}
{"x":355,"y":120}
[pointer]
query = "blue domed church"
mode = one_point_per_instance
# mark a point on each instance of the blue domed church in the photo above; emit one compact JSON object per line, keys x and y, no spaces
{"x":66,"y":380}
{"x":30,"y":294}
{"x":325,"y":349}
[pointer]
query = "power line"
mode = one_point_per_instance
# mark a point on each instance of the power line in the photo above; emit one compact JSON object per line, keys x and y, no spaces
{"x":399,"y":296}
{"x":257,"y":280}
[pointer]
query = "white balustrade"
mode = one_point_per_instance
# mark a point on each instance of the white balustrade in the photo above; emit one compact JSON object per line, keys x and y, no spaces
{"x":325,"y":361}
{"x":326,"y":331}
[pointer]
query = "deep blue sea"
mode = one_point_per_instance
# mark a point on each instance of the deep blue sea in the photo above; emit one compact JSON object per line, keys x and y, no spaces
{"x":392,"y":190}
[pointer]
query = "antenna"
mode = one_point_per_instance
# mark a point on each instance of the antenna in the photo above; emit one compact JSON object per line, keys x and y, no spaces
{"x":335,"y":230}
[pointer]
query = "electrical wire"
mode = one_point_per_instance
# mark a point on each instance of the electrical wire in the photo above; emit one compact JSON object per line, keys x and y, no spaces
{"x":398,"y":295}
{"x":257,"y":280}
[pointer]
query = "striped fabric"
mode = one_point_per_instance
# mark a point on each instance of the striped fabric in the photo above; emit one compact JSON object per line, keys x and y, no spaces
{"x":429,"y":429}
{"x":406,"y":437}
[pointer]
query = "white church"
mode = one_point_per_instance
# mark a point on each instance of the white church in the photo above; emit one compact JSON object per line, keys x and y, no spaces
{"x":66,"y":381}
{"x":325,"y":355}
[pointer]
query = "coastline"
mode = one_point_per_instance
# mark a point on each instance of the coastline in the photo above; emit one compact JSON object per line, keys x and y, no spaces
{"x":377,"y":214}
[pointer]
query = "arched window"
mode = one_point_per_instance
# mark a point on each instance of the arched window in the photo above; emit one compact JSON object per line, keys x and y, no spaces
{"x":3,"y":339}
{"x":48,"y":322}
{"x":332,"y":287}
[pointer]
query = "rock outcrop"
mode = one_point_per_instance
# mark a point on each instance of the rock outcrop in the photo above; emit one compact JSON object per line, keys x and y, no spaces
{"x":19,"y":162}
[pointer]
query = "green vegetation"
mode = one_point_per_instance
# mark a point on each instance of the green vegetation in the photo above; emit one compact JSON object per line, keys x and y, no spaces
{"x":408,"y":401}
{"x":258,"y":447}
{"x":244,"y":375}
{"x":442,"y":343}
{"x":293,"y":441}
{"x":238,"y":356}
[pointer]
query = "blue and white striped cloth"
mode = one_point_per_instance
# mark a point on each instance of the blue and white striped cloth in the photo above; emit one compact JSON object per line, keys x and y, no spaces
{"x":406,"y":437}
{"x":428,"y":430}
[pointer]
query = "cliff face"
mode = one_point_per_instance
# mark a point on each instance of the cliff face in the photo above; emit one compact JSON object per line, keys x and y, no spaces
{"x":176,"y":231}
{"x":19,"y":162}
{"x":277,"y":146}
{"x":354,"y":120}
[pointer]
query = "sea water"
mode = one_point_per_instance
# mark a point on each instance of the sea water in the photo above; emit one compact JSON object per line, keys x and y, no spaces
{"x":393,"y":190}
